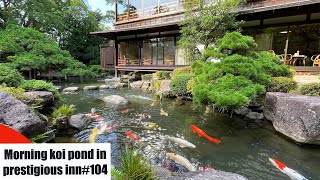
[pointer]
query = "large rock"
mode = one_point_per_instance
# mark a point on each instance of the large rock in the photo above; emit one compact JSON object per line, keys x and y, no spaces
{"x":115,"y":99}
{"x":104,"y":87}
{"x":254,"y":116}
{"x":295,"y":116}
{"x":79,"y":121}
{"x":70,"y":90}
{"x":206,"y":175}
{"x":136,"y":84}
{"x":20,"y":117}
{"x":90,"y":88}
{"x":146,"y":85}
{"x":121,"y":85}
{"x":40,"y":98}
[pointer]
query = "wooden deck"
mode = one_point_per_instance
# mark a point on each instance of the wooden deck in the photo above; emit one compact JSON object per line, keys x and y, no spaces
{"x":146,"y":68}
{"x":307,"y":69}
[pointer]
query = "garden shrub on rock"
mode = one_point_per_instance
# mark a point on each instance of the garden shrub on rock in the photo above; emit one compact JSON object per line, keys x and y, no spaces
{"x":239,"y":77}
{"x":182,"y":70}
{"x":179,"y":84}
{"x":312,"y":89}
{"x":9,"y":76}
{"x":282,"y":84}
{"x":39,"y":85}
{"x":161,"y":75}
{"x":156,"y":85}
{"x":13,"y":91}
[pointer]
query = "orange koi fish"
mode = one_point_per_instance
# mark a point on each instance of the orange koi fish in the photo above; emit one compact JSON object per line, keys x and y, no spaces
{"x":200,"y":132}
{"x":96,"y":116}
{"x":132,"y":136}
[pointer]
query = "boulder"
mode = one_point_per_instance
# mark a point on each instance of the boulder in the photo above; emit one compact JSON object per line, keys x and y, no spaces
{"x":115,"y":99}
{"x":121,"y":85}
{"x":295,"y":116}
{"x":20,"y":117}
{"x":104,"y":87}
{"x":165,"y":88}
{"x":79,"y":121}
{"x":146,"y":85}
{"x":254,"y":116}
{"x":136,"y":84}
{"x":90,"y":88}
{"x":40,"y":98}
{"x":70,"y":90}
{"x":205,"y":175}
{"x":242,"y":111}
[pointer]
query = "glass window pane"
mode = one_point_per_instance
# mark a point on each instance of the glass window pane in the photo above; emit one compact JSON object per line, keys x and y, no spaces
{"x":169,"y":53}
{"x":133,"y":53}
{"x":122,"y":47}
{"x":149,"y":52}
{"x":180,"y":55}
{"x":122,"y":9}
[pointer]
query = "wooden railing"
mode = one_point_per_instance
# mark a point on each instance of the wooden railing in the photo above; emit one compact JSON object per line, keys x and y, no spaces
{"x":151,"y":11}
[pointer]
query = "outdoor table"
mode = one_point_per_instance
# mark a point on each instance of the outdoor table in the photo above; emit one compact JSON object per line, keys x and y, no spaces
{"x":297,"y":58}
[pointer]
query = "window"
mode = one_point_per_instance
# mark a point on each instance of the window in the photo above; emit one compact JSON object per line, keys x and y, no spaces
{"x":149,"y":52}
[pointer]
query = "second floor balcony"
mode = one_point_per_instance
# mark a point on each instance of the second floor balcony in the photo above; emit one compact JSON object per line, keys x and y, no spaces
{"x":130,"y":10}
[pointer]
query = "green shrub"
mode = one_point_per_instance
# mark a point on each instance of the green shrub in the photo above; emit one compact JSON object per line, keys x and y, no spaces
{"x":239,"y":77}
{"x":9,"y":76}
{"x":312,"y":89}
{"x":190,"y":85}
{"x":98,"y":70}
{"x":39,"y":85}
{"x":282,"y":84}
{"x":179,"y":84}
{"x":156,"y":85}
{"x":182,"y":70}
{"x":147,"y":77}
{"x":16,"y":92}
{"x":134,"y":166}
{"x":64,"y":110}
{"x":161,"y":75}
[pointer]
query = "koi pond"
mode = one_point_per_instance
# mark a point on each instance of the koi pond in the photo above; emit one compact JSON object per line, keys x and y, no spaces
{"x":244,"y":147}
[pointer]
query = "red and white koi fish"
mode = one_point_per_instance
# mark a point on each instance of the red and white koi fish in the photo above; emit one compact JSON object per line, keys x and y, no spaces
{"x":286,"y":170}
{"x":200,"y":132}
{"x":206,"y":169}
{"x":132,"y":136}
{"x":181,"y":160}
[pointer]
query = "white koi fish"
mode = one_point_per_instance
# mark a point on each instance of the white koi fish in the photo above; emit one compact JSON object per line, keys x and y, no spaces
{"x":288,"y":171}
{"x":181,"y":142}
{"x":181,"y":160}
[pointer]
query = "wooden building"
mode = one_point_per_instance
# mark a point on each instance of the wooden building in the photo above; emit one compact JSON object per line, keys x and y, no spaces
{"x":146,"y":31}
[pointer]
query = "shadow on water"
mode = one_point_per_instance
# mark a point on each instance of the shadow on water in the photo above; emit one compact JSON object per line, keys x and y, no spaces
{"x":244,"y":149}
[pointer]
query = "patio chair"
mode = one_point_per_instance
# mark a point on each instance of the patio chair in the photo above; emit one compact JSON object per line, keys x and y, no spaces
{"x":316,"y":60}
{"x":285,"y":60}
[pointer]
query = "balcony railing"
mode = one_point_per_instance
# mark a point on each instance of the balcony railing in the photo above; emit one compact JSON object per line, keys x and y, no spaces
{"x":151,"y":11}
{"x":263,"y":5}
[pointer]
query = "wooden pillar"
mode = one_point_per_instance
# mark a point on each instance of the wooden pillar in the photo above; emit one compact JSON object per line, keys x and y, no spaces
{"x":287,"y":44}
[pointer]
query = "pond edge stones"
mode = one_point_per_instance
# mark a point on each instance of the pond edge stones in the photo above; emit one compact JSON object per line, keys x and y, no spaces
{"x":86,"y":88}
{"x":115,"y":99}
{"x":70,"y":90}
{"x":295,"y":116}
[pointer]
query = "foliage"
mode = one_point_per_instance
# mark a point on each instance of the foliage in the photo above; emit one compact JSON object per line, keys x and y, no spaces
{"x":179,"y":84}
{"x":116,"y":174}
{"x":67,"y":22}
{"x":211,"y":21}
{"x":28,"y":50}
{"x":190,"y":85}
{"x":156,"y":85}
{"x":282,"y":84}
{"x":312,"y":89}
{"x":182,"y":70}
{"x":238,"y":77}
{"x":40,"y":137}
{"x":39,"y":85}
{"x":63,"y":110}
{"x":98,"y":70}
{"x":147,"y":77}
{"x":161,"y":75}
{"x":9,"y":76}
{"x":134,"y":166}
{"x":16,"y":92}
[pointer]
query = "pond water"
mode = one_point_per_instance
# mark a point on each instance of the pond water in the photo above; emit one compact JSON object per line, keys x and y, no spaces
{"x":244,"y":149}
